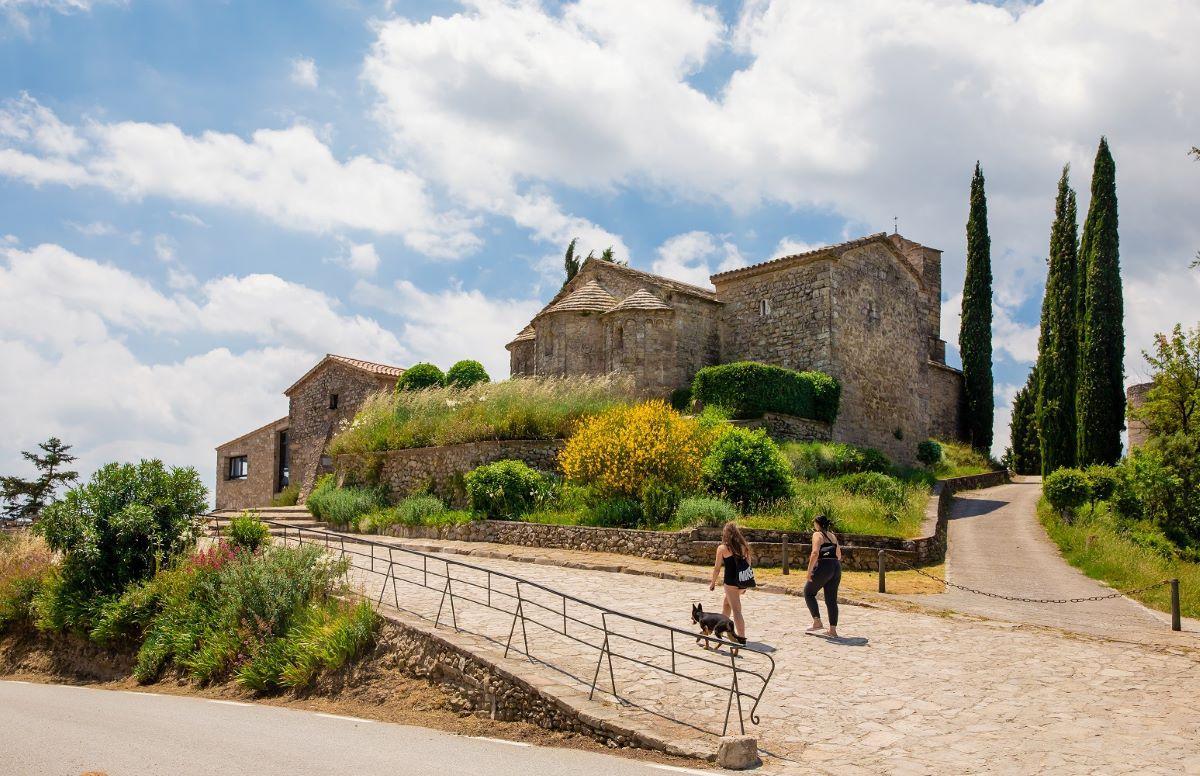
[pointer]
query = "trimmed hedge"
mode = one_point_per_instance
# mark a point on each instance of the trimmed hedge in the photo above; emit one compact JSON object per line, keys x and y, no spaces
{"x":748,"y":389}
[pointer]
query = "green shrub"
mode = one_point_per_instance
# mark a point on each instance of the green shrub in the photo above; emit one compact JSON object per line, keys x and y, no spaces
{"x":659,"y":501}
{"x":507,"y":489}
{"x":704,"y":512}
{"x":466,"y":373}
{"x":1103,"y":482}
{"x":342,"y":507}
{"x":414,"y":510}
{"x":615,"y":512}
{"x":322,"y":637}
{"x":420,"y":376}
{"x":1066,"y":490}
{"x":884,"y":489}
{"x":814,"y":460}
{"x":749,"y":389}
{"x":747,"y":468}
{"x":26,"y":564}
{"x":681,"y":398}
{"x":247,"y":532}
{"x":127,"y":522}
{"x":286,"y":497}
{"x":929,"y":452}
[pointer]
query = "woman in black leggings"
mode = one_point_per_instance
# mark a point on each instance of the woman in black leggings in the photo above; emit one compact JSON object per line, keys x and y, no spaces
{"x":824,"y":571}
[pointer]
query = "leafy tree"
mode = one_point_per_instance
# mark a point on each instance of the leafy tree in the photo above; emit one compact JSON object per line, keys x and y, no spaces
{"x":1058,"y":340}
{"x":1026,"y":455}
{"x":1100,"y":403}
{"x":466,"y":373}
{"x":571,"y":262}
{"x":419,"y":376}
{"x":1172,"y":405}
{"x":27,"y":498}
{"x":122,"y":526}
{"x":975,"y":332}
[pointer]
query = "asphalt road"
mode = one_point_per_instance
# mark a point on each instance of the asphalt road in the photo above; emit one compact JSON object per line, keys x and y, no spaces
{"x":56,"y":729}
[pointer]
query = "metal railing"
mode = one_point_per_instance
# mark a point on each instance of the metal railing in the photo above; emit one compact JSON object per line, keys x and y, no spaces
{"x":743,"y":672}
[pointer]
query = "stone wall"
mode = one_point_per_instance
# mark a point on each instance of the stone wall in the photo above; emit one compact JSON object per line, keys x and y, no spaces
{"x":261,"y":448}
{"x":945,"y":401}
{"x":879,"y":349}
{"x":440,"y":470}
{"x":698,"y":545}
{"x":791,"y":428}
{"x":312,"y":424}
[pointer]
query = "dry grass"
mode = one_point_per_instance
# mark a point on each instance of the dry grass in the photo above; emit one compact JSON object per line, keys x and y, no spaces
{"x":520,"y":408}
{"x":898,"y":582}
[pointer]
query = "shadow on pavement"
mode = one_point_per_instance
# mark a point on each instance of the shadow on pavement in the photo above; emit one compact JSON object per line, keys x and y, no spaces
{"x":976,"y":507}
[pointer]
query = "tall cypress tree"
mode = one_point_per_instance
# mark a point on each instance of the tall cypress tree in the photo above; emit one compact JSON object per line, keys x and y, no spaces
{"x":1026,"y":454}
{"x":1100,"y":403}
{"x":1058,"y":341}
{"x":975,"y":329}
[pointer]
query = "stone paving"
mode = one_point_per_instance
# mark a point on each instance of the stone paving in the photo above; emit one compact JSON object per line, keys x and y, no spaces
{"x":903,"y":693}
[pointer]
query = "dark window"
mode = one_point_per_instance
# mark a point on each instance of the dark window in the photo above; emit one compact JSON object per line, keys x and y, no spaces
{"x":333,"y":401}
{"x":239,"y":467}
{"x":764,"y":308}
{"x":283,"y":460}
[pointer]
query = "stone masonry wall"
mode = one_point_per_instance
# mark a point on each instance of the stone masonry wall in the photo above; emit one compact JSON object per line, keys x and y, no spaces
{"x":313,"y":424}
{"x":945,"y":401}
{"x":440,"y":470}
{"x":879,"y":353}
{"x":261,"y":448}
{"x":1135,"y":396}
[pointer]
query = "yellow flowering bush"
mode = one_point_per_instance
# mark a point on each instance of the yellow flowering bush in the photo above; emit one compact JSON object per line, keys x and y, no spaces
{"x":627,"y":446}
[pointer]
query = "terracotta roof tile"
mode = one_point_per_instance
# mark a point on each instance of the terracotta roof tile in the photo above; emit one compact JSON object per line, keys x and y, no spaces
{"x":526,"y":335}
{"x":381,"y":370}
{"x":640,"y":300}
{"x":658,"y":280}
{"x":785,"y":260}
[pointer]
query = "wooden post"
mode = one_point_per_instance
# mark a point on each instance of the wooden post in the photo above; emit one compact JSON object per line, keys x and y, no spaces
{"x":1175,"y":623}
{"x":784,"y":557}
{"x":882,"y":571}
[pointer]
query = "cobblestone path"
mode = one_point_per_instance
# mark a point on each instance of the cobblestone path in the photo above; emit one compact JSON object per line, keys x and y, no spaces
{"x":903,"y":693}
{"x":998,"y":545}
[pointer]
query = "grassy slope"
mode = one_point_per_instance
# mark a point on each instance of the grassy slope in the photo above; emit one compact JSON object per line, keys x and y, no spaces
{"x":1096,"y":547}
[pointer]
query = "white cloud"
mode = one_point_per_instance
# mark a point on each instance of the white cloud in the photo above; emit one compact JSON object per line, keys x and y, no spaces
{"x":288,"y":176}
{"x":867,"y":109}
{"x":446,"y":326}
{"x":360,"y":259}
{"x":189,"y":218}
{"x":94,"y":229}
{"x":164,"y":248}
{"x":693,"y":256}
{"x":790,"y":246}
{"x":66,"y":322}
{"x":304,"y":72}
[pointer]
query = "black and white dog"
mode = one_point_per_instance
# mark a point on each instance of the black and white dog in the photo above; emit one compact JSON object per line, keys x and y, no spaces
{"x":714,"y":625}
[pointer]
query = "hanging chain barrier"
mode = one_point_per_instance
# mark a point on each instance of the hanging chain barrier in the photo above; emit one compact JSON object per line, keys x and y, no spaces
{"x":740,"y":671}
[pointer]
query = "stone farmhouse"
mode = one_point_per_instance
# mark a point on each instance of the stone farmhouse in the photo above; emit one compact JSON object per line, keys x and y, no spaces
{"x":867,"y":311}
{"x":254,"y":467}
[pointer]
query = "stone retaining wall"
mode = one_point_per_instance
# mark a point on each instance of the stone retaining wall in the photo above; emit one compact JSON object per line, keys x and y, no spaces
{"x":698,"y":545}
{"x":440,"y":470}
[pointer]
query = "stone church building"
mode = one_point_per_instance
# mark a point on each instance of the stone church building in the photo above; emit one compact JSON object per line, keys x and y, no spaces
{"x":867,"y":311}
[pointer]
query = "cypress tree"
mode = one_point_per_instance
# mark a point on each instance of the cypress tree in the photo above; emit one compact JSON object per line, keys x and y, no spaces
{"x":1058,"y":340}
{"x":975,"y":328}
{"x":1026,"y":453}
{"x":1100,"y":402}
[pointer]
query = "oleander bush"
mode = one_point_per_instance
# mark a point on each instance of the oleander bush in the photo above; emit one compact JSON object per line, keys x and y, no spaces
{"x":747,"y":468}
{"x":466,"y":373}
{"x":419,"y":377}
{"x":520,"y":408}
{"x":619,"y":451}
{"x":507,"y":489}
{"x":748,"y":389}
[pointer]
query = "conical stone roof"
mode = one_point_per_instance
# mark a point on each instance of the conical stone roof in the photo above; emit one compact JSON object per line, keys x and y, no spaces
{"x":588,"y":298}
{"x":640,"y":300}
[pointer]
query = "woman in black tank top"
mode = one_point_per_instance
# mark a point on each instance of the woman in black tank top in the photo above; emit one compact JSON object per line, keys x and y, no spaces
{"x":732,"y":566}
{"x":824,"y":572}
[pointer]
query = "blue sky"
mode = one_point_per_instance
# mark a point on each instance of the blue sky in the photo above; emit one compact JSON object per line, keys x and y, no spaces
{"x":198,"y":199}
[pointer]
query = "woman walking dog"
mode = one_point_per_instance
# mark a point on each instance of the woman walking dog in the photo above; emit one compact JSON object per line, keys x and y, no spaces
{"x":732,"y":564}
{"x":824,"y":572}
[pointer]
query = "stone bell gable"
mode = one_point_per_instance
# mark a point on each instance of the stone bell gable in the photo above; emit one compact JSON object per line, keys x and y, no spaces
{"x":867,"y":311}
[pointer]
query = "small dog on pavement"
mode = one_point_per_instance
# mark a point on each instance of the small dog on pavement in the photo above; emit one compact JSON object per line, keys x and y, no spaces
{"x":712,"y":624}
